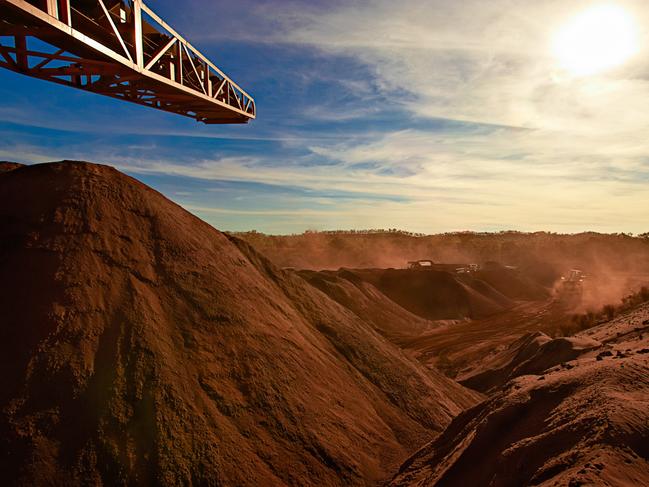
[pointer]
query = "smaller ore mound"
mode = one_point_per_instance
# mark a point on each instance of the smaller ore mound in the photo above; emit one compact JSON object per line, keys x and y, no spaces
{"x":431,"y":294}
{"x":533,"y":353}
{"x":589,"y":426}
{"x":583,"y":422}
{"x":364,"y":300}
{"x":518,"y":284}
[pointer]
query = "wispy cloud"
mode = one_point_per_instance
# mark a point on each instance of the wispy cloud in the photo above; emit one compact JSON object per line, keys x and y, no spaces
{"x":485,"y":62}
{"x":428,"y":115}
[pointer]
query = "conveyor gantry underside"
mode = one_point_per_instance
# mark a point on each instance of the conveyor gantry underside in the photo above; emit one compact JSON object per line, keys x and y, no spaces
{"x":118,"y":48}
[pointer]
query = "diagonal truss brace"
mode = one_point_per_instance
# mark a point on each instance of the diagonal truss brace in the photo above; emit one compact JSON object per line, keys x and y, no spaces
{"x":118,"y":48}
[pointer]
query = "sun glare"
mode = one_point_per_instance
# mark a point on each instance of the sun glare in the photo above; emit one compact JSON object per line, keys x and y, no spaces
{"x":598,"y":39}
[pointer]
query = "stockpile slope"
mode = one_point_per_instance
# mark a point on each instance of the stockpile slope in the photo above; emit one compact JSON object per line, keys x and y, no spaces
{"x":436,"y":295}
{"x":583,"y":422}
{"x":363,"y":299}
{"x":533,"y":353}
{"x":406,"y":304}
{"x":9,"y":166}
{"x":138,"y":345}
{"x":519,"y":284}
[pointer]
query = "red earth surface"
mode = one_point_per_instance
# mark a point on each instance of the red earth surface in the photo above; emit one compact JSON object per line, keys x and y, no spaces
{"x":140,"y":346}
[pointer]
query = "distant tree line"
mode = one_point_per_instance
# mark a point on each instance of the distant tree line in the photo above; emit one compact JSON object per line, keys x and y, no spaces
{"x":459,"y":233}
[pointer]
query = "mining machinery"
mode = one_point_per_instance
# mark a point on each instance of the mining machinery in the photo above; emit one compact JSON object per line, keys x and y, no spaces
{"x":421,"y":264}
{"x":572,"y":287}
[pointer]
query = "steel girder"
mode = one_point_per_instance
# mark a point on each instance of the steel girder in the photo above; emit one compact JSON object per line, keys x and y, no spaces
{"x":118,"y":48}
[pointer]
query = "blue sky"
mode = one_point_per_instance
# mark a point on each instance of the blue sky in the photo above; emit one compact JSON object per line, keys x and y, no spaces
{"x":424,"y":115}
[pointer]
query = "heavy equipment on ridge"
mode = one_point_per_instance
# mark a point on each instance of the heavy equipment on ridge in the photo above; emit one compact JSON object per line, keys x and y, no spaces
{"x":572,"y":287}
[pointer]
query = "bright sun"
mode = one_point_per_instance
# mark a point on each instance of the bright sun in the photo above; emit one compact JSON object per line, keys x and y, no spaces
{"x":598,"y":39}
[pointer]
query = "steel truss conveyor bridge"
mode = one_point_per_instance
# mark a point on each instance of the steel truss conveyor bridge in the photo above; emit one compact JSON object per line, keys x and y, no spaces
{"x":118,"y":48}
